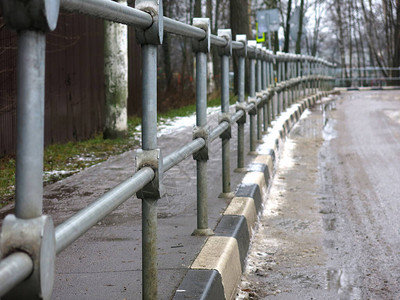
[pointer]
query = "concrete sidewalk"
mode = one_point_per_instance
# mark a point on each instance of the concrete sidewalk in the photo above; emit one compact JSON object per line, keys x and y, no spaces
{"x":105,"y":263}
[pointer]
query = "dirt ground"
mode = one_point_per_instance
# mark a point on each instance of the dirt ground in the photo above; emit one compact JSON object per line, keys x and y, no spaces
{"x":330,"y":228}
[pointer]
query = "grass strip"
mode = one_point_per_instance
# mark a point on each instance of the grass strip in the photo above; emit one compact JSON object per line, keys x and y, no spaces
{"x":63,"y":160}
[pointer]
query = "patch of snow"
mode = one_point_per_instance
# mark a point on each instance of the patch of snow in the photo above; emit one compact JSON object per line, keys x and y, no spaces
{"x":59,"y":172}
{"x":178,"y":124}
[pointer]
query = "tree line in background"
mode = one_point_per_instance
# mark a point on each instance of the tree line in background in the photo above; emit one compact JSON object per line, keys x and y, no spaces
{"x":351,"y":33}
{"x":367,"y":34}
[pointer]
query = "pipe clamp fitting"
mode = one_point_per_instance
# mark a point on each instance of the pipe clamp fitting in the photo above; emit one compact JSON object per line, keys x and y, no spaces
{"x":201,"y":132}
{"x":152,"y":159}
{"x":225,"y":117}
{"x":155,"y":33}
{"x":36,"y":237}
{"x":241,"y":106}
{"x":204,"y":44}
{"x":227,"y":35}
{"x":39,"y":15}
{"x":253,"y":110}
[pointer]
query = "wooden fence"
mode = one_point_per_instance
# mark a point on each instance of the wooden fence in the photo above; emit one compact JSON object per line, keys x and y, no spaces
{"x":74,"y":81}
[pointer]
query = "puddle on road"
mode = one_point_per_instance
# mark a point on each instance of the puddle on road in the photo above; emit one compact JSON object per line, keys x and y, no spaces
{"x":393,"y":115}
{"x":344,"y":283}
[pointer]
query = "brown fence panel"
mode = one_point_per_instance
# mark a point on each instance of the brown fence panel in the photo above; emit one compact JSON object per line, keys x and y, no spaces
{"x":74,"y":81}
{"x":7,"y":90}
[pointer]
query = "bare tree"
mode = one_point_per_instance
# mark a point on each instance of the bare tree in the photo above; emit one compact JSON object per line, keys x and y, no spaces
{"x":115,"y":79}
{"x":239,"y":25}
{"x":299,"y":33}
{"x":287,"y":27}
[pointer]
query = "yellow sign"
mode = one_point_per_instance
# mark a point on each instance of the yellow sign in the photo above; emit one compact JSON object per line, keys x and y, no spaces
{"x":260,"y":36}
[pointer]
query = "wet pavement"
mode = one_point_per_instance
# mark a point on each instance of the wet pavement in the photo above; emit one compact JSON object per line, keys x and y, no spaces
{"x":330,"y":228}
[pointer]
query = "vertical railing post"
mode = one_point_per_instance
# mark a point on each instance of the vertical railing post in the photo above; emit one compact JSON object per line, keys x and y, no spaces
{"x":270,"y":87}
{"x":297,"y":88}
{"x":264,"y":89}
{"x":150,"y":155}
{"x":252,"y":54}
{"x":300,"y":73}
{"x":278,"y":96}
{"x":225,"y":116}
{"x":313,"y":89}
{"x":284,"y":78}
{"x":201,"y":48}
{"x":241,"y":54}
{"x":308,"y":75}
{"x":30,"y":124}
{"x":273,"y":83}
{"x":294,"y":75}
{"x":289,"y":77}
{"x":258,"y":91}
{"x":28,"y":230}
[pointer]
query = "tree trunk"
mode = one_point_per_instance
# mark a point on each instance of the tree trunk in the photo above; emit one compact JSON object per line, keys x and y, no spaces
{"x":372,"y":32}
{"x":214,"y":51}
{"x":299,"y":33}
{"x":197,"y":9}
{"x":360,"y":37}
{"x":115,"y":79}
{"x":396,"y":58}
{"x":341,"y":37}
{"x":287,"y":26}
{"x":350,"y":26}
{"x":239,"y":25}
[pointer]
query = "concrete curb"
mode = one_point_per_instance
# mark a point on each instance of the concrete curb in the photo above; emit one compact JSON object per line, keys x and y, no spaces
{"x":216,"y":271}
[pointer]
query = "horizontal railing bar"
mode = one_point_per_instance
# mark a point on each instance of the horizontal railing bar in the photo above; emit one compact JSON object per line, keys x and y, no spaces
{"x":369,"y":69}
{"x":109,"y":10}
{"x":368,"y":78}
{"x":176,"y":157}
{"x":77,"y":225}
{"x":183,"y":29}
{"x":237,"y":116}
{"x":218,"y":41}
{"x":237,"y":45}
{"x":14,"y":269}
{"x":250,"y":106}
{"x":217,"y":131}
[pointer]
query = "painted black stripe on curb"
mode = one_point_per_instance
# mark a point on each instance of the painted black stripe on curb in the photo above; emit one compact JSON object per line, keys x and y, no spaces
{"x":251,"y":190}
{"x":297,"y":114}
{"x":201,"y":284}
{"x":259,"y":167}
{"x":269,"y":152}
{"x":287,"y":126}
{"x":236,"y":227}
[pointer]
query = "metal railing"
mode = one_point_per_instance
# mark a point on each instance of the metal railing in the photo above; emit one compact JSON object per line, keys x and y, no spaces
{"x":29,"y":242}
{"x":367,"y":77}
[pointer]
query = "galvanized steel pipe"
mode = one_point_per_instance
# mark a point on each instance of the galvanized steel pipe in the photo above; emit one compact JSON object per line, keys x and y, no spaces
{"x":176,"y":157}
{"x":30,"y":124}
{"x":218,"y":130}
{"x":258,"y":89}
{"x":77,"y":225}
{"x":109,"y":10}
{"x":14,"y":269}
{"x":183,"y":29}
{"x":201,"y":164}
{"x":252,"y":95}
{"x":149,"y":97}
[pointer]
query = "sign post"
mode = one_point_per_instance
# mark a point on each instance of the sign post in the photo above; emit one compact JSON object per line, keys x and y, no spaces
{"x":267,"y":21}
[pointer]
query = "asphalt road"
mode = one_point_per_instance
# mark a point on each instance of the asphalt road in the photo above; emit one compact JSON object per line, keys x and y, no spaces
{"x":331,"y":225}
